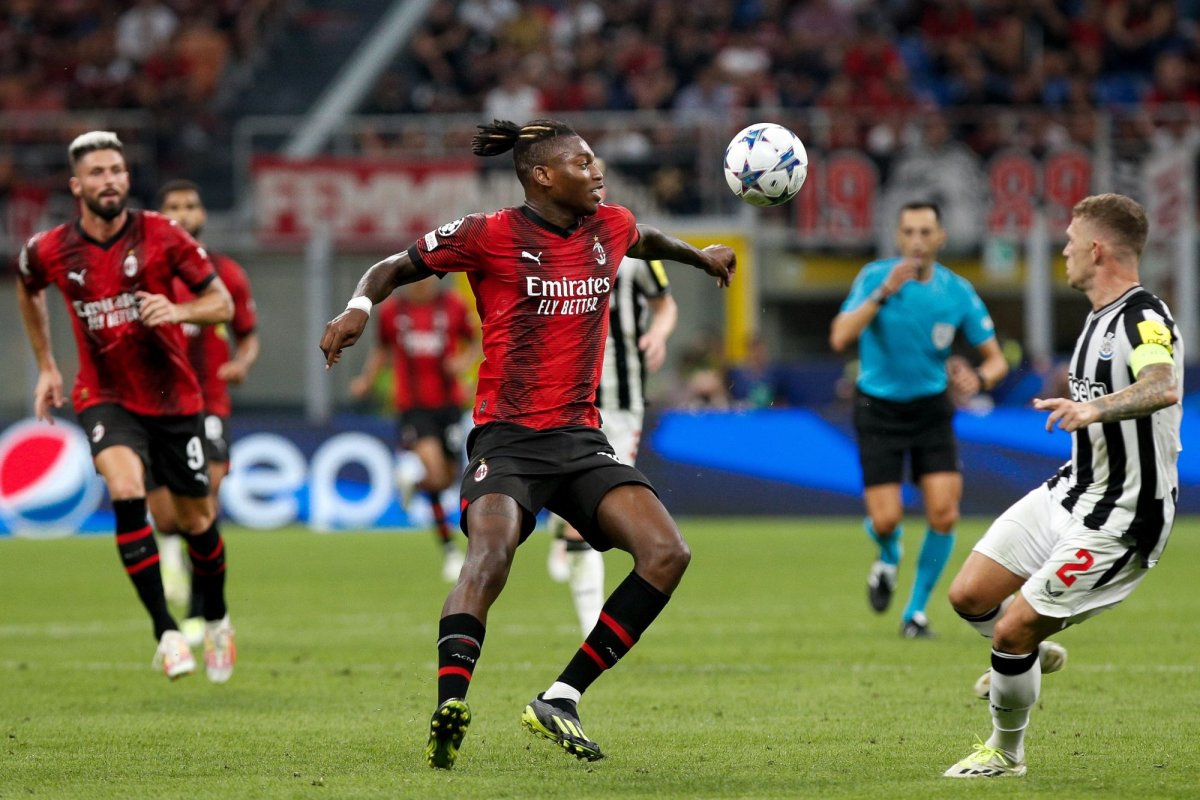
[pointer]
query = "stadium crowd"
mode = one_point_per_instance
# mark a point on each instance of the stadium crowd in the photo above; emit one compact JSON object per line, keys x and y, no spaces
{"x":164,"y":60}
{"x":872,"y":71}
{"x":870,"y":66}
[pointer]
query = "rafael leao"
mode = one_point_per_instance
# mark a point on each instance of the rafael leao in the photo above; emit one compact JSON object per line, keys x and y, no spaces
{"x":541,"y":275}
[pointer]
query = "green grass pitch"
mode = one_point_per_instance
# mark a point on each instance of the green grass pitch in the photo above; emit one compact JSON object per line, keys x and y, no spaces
{"x":766,"y":677}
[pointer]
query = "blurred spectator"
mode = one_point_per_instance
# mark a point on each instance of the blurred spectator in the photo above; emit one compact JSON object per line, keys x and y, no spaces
{"x":755,"y":382}
{"x":1137,"y":31}
{"x":514,"y":98}
{"x":488,"y":16}
{"x":705,"y":99}
{"x":700,"y":380}
{"x":145,"y":29}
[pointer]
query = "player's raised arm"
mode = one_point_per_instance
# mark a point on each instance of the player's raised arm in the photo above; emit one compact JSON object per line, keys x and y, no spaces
{"x":717,"y":260}
{"x":376,"y":284}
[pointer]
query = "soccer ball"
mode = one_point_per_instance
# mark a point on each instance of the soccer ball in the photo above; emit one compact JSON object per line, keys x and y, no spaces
{"x":765,"y":164}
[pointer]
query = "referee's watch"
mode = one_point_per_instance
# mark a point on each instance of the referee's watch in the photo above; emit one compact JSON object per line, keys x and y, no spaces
{"x":879,"y":296}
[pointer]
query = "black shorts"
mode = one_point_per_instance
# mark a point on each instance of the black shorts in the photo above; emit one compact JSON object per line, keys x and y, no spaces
{"x":567,"y":470}
{"x":171,"y":447}
{"x":216,"y":438}
{"x":444,"y":424}
{"x":887,"y":431}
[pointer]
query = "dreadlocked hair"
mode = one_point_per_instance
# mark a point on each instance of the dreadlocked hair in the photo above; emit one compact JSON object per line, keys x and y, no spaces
{"x":526,"y":141}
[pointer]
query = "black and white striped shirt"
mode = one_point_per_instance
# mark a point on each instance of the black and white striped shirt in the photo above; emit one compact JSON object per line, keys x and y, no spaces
{"x":623,"y":378}
{"x":1122,"y":476}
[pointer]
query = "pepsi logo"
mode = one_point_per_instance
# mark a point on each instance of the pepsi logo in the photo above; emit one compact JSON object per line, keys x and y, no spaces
{"x":48,"y":486}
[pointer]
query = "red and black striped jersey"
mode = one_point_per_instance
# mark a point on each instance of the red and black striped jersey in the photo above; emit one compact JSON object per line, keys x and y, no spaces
{"x":542,"y":296}
{"x":145,"y":370}
{"x":420,"y":337}
{"x":209,"y":345}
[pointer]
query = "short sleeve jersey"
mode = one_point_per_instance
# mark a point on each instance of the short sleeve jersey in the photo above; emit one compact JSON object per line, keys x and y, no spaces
{"x":903,"y":351}
{"x":1123,"y":475}
{"x":421,"y":336}
{"x":542,"y":296}
{"x":209,"y":345}
{"x":145,"y":370}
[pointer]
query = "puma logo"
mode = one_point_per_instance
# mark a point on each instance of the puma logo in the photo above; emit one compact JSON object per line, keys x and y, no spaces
{"x":532,"y":257}
{"x":76,"y":276}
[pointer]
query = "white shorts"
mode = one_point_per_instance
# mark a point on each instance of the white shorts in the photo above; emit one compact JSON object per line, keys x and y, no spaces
{"x":624,"y":431}
{"x":1071,"y":571}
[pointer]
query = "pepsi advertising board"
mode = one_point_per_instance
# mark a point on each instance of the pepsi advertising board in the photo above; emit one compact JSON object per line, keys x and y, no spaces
{"x":48,"y":486}
{"x":282,"y":474}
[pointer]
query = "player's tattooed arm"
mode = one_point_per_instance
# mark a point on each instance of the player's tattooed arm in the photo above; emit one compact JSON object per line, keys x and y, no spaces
{"x":1154,"y":389}
{"x":717,"y":260}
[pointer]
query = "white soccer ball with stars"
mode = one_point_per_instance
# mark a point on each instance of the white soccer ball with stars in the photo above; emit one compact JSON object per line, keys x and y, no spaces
{"x":765,"y":164}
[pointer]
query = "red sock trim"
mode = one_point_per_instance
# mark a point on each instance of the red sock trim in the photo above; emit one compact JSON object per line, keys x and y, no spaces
{"x":216,"y":551}
{"x":587,"y":648}
{"x":133,"y":536}
{"x":461,"y":671}
{"x":141,"y":565}
{"x":615,"y":627}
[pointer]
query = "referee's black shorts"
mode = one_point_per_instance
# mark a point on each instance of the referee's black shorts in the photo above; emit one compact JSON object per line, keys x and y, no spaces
{"x":567,"y":470}
{"x":922,"y":429}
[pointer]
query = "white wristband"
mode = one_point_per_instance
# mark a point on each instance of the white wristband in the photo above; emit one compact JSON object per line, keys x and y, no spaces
{"x":362,"y":303}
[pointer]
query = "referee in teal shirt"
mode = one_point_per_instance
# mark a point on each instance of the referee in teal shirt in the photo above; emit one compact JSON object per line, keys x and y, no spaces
{"x":904,"y":313}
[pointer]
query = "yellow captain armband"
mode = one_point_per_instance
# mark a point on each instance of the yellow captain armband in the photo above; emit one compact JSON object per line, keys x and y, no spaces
{"x":1146,"y":354}
{"x":660,"y":272}
{"x":1152,"y":331}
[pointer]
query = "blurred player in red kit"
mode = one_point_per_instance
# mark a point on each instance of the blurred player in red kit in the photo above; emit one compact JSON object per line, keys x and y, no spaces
{"x":136,"y":395}
{"x":216,"y":367}
{"x":428,"y":334}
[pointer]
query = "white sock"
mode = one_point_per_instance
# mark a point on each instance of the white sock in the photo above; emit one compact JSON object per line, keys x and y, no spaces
{"x":587,"y":586}
{"x":1011,"y":699}
{"x":986,"y":627}
{"x":561,"y":691}
{"x":170,"y":551}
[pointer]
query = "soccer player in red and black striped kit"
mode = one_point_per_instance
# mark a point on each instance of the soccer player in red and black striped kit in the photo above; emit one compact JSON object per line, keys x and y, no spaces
{"x":541,"y":274}
{"x":136,"y":395}
{"x":209,"y":350}
{"x":429,"y":335}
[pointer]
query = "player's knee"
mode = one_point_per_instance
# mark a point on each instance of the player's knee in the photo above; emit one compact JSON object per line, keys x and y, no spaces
{"x":962,"y":599}
{"x":194,"y":521}
{"x":667,"y":557}
{"x":1015,"y":637}
{"x":125,"y":487}
{"x":487,"y":567}
{"x":885,"y":524}
{"x":943,"y":520}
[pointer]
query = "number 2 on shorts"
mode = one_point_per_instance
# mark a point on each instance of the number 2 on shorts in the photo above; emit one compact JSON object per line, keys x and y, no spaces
{"x":1085,"y":561}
